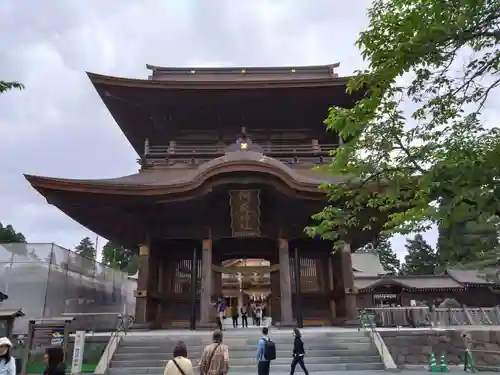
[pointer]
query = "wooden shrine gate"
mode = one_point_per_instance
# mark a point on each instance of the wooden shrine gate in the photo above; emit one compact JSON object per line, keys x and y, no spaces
{"x":179,"y":286}
{"x":310,"y":288}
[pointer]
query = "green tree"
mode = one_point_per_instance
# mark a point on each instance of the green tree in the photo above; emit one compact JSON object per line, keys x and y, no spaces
{"x":6,"y":86}
{"x":388,"y":257}
{"x":421,"y":258}
{"x":415,"y":151}
{"x":9,"y":235}
{"x":118,"y":257}
{"x":86,"y":248}
{"x":466,"y":242}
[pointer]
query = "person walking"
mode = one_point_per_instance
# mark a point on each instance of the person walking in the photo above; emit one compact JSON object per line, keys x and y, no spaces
{"x":180,"y":364}
{"x":54,"y":361}
{"x":244,"y":316}
{"x":298,"y":353}
{"x":7,"y":361}
{"x":266,"y":352}
{"x":215,"y":311}
{"x":222,"y":312}
{"x":215,"y":357}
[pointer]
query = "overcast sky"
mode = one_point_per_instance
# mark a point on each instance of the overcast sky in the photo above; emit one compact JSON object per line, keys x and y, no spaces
{"x":59,"y":127}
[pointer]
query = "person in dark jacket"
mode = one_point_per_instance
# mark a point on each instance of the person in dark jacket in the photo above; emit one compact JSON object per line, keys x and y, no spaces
{"x":54,"y":359}
{"x":298,"y":352}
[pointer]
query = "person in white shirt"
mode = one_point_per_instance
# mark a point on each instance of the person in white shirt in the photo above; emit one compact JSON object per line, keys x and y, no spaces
{"x":7,"y":362}
{"x":258,"y":315}
{"x":180,"y":364}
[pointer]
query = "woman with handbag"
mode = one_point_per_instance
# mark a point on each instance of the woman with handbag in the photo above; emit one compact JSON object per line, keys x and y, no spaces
{"x":180,"y":364}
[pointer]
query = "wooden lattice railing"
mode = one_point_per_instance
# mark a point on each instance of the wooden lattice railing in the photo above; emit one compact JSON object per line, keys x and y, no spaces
{"x":436,"y":317}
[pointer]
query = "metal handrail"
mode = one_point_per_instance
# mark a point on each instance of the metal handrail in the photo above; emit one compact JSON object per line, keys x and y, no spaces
{"x":365,"y":323}
{"x":124,"y":322}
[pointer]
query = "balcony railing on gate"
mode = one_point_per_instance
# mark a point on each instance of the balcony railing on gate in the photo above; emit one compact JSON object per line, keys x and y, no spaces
{"x":220,"y":149}
{"x":291,"y":154}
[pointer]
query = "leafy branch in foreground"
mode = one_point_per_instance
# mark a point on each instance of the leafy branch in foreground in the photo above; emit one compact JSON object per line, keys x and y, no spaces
{"x":416,"y":149}
{"x":6,"y":86}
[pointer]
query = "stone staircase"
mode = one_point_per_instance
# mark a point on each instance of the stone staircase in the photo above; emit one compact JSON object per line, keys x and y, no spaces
{"x":326,"y":351}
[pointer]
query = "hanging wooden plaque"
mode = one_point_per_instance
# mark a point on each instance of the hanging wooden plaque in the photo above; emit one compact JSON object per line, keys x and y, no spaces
{"x":245,"y":212}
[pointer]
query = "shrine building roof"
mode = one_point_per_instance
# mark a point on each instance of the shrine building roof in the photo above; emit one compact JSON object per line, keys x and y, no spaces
{"x":176,"y":101}
{"x":418,"y":282}
{"x":470,"y":277}
{"x":244,"y":74}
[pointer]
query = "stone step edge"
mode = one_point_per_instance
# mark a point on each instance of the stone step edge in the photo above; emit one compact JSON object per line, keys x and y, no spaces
{"x":309,"y":358}
{"x":275,"y":364}
{"x":309,"y":352}
{"x":373,"y":359}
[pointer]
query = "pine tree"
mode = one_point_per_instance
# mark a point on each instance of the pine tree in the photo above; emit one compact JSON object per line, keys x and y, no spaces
{"x":116,"y":256}
{"x":86,"y":248}
{"x":6,"y":86}
{"x":388,"y":258}
{"x":467,"y":242}
{"x":421,"y":257}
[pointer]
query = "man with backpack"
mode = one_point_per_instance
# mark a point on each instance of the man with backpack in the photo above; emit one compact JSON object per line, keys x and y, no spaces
{"x":266,"y":352}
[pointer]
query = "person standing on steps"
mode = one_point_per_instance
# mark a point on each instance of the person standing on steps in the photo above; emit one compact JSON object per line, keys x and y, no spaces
{"x":244,"y":316}
{"x":180,"y":364}
{"x":266,"y":352}
{"x":258,"y":315}
{"x":234,"y":316}
{"x":215,"y":357}
{"x":298,"y":353}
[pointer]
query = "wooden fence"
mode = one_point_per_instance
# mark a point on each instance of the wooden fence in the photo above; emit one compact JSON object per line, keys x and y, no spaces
{"x":434,"y":317}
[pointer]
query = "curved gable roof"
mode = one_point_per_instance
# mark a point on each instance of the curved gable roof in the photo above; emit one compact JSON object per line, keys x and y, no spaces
{"x":172,"y":180}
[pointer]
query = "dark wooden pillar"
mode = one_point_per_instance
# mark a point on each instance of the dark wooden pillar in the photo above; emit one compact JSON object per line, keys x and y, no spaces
{"x":194,"y":276}
{"x":298,"y":292}
{"x":141,"y":294}
{"x":348,"y":281}
{"x":285,"y":283}
{"x":206,"y":283}
{"x":153,"y":285}
{"x":331,"y":289}
{"x":216,"y":280}
{"x":166,"y":288}
{"x":275,"y":297}
{"x":319,"y":265}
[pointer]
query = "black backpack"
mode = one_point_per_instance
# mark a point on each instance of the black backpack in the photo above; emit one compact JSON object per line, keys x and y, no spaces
{"x":269,"y":350}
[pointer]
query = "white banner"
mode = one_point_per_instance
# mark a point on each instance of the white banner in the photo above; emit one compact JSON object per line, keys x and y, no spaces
{"x":76,"y":364}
